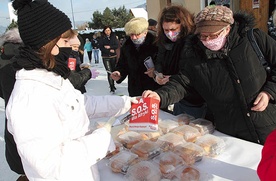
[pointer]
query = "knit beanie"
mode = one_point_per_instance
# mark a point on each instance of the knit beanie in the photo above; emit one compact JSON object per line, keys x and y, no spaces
{"x":152,"y":22}
{"x":136,"y":26}
{"x":39,"y":22}
{"x":213,"y":18}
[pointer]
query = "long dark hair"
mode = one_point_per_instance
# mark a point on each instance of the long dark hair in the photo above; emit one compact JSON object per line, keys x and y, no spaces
{"x":105,"y":27}
{"x":179,"y":15}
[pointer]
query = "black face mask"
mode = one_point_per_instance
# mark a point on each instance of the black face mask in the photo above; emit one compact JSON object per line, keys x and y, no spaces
{"x":64,"y":53}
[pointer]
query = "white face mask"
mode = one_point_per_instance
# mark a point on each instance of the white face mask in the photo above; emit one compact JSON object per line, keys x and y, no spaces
{"x":138,"y":41}
{"x":215,"y":44}
{"x":173,"y":36}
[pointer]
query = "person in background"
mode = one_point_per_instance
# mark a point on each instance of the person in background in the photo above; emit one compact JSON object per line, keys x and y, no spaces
{"x":212,"y":3}
{"x":221,"y":65}
{"x":271,"y":25}
{"x":118,"y":50}
{"x":10,"y":42}
{"x":80,"y":76}
{"x":152,"y":26}
{"x":175,"y":24}
{"x":75,"y":44}
{"x":108,"y":45}
{"x":138,"y":46}
{"x":227,"y":5}
{"x":267,"y":165}
{"x":88,"y":48}
{"x":81,"y":50}
{"x":95,"y":46}
{"x":48,"y":118}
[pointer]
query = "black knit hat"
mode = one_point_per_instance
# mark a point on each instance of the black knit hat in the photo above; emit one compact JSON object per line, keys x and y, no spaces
{"x":152,"y":22}
{"x":39,"y":22}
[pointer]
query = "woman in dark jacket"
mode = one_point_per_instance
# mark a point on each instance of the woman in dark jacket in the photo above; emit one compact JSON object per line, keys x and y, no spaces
{"x":175,"y":23}
{"x":221,"y":65}
{"x":108,"y":44}
{"x":135,"y":50}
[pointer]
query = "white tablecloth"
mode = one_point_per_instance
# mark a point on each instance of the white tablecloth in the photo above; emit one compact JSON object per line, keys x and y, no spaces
{"x":238,"y":162}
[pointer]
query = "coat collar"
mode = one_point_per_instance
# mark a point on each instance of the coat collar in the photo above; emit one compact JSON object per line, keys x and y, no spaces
{"x":41,"y":75}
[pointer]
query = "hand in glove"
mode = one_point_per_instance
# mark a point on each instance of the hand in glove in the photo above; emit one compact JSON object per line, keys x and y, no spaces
{"x":94,"y":73}
{"x":109,"y":123}
{"x":134,"y":100}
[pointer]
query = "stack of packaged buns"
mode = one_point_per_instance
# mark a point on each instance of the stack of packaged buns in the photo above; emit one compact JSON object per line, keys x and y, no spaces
{"x":169,"y":153}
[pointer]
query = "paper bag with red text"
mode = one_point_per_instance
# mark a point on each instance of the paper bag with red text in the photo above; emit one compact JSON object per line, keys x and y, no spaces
{"x":72,"y":62}
{"x":144,"y":115}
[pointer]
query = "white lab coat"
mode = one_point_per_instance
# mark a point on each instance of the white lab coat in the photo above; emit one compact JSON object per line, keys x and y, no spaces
{"x":49,"y":120}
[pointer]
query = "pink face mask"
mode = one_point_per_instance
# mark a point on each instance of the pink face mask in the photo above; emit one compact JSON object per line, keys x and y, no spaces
{"x":172,"y":35}
{"x":215,"y":44}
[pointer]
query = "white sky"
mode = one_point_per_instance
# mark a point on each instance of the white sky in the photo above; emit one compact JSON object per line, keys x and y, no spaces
{"x":83,"y":9}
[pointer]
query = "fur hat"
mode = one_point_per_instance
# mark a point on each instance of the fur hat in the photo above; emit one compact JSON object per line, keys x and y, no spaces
{"x":39,"y":22}
{"x":213,"y":18}
{"x":136,"y":26}
{"x":11,"y":36}
{"x":10,"y":41}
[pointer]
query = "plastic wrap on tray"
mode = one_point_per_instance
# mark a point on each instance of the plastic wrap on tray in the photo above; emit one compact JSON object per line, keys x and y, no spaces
{"x":169,"y":141}
{"x":189,"y":133}
{"x":151,"y":135}
{"x":168,"y":162}
{"x":203,"y":125}
{"x":121,"y":162}
{"x":146,"y":149}
{"x":119,"y":147}
{"x":167,"y":125}
{"x":191,"y":173}
{"x":184,"y":118}
{"x":129,"y":138}
{"x":213,"y":145}
{"x":143,"y":171}
{"x":189,"y":152}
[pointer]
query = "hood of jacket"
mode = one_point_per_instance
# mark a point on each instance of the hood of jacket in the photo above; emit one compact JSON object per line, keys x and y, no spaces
{"x":9,"y":43}
{"x":244,"y":21}
{"x":11,"y":36}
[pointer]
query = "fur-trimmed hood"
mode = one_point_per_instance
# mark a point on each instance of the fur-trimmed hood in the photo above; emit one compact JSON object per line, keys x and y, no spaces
{"x":11,"y":36}
{"x":245,"y":20}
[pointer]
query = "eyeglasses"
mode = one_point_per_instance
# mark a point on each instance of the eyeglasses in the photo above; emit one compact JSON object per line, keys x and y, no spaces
{"x":211,"y":36}
{"x":136,"y":35}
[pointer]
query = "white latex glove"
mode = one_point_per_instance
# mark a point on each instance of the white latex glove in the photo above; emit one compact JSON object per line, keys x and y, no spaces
{"x":94,"y":73}
{"x":109,"y":124}
{"x":134,"y":100}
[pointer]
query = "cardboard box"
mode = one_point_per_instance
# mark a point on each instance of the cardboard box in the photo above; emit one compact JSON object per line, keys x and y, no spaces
{"x":144,"y":115}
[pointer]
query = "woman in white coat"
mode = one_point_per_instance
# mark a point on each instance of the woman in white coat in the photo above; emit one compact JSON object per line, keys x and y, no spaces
{"x":47,"y":117}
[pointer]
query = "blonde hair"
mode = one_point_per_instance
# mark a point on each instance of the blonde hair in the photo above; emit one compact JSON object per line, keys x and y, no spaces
{"x":136,"y":26}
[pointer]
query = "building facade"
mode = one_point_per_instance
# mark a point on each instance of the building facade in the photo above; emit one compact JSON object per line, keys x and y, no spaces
{"x":261,"y":9}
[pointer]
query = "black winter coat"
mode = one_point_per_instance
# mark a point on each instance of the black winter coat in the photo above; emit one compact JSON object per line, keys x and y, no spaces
{"x":112,"y":41}
{"x":131,"y":64}
{"x":7,"y":80}
{"x":229,"y":81}
{"x":168,"y":61}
